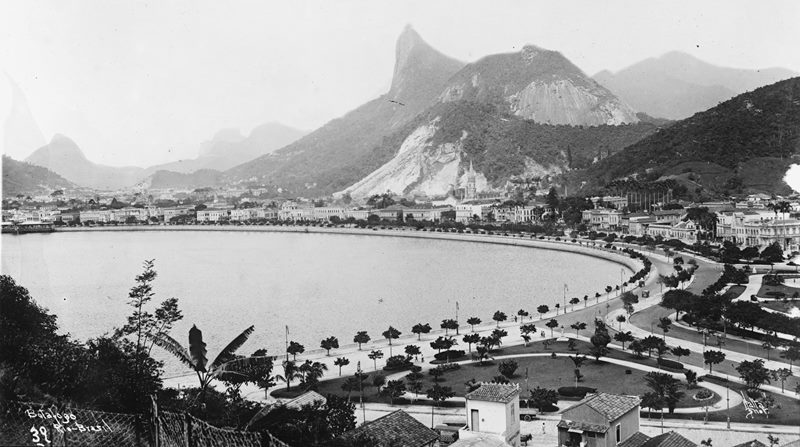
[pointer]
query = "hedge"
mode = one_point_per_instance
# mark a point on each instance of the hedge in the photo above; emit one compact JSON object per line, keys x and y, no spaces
{"x":576,"y":391}
{"x":670,"y":365}
{"x":397,"y":363}
{"x":451,"y":354}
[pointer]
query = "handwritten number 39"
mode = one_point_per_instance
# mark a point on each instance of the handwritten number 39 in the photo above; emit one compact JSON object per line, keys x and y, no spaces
{"x":35,"y":435}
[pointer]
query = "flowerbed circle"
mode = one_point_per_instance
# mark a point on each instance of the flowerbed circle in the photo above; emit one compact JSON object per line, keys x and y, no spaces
{"x":703,"y":394}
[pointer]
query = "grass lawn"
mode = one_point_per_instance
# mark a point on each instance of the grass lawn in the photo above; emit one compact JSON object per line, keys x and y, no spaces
{"x":780,"y":291}
{"x":786,"y":410}
{"x":781,"y":306}
{"x":542,"y":371}
{"x":733,"y":292}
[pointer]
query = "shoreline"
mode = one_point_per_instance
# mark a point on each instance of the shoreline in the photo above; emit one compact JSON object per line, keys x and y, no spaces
{"x":633,"y":265}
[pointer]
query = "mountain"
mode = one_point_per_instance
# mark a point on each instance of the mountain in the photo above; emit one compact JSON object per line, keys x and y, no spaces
{"x":538,"y":85}
{"x":63,"y":156}
{"x":677,"y":85}
{"x":333,"y":156}
{"x":197,"y":179}
{"x":25,"y":178}
{"x":745,"y":144}
{"x":21,"y":133}
{"x":228,"y":148}
{"x":443,"y":147}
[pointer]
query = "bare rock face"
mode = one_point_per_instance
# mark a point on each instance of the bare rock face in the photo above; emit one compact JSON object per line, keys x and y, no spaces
{"x":418,"y":168}
{"x":539,"y":85}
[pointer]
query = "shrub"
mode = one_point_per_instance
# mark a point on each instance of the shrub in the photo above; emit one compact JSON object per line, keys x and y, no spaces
{"x":508,"y":368}
{"x":397,"y":363}
{"x":451,"y":354}
{"x":671,"y":365}
{"x":704,"y":394}
{"x":576,"y":391}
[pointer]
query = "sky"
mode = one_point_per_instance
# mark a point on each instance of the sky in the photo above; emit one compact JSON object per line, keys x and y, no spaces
{"x":145,"y":82}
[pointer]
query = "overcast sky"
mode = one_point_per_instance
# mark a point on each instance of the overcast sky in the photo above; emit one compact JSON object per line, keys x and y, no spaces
{"x":139,"y":83}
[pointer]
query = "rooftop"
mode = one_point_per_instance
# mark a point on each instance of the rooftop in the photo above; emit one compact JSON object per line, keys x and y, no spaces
{"x":585,"y":426}
{"x":396,"y":429}
{"x":494,"y":392}
{"x":669,"y":439}
{"x":307,"y":398}
{"x":612,"y":406}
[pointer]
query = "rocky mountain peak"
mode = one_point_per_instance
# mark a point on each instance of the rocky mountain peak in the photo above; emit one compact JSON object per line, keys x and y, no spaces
{"x":417,"y":66}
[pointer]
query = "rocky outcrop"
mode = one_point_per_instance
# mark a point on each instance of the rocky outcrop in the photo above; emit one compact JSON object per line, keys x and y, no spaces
{"x":539,"y":85}
{"x":419,"y":168}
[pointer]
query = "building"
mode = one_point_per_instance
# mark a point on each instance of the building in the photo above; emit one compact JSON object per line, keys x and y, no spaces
{"x":685,"y":232}
{"x":760,"y":229}
{"x":472,"y":210}
{"x":211,"y":215}
{"x":602,"y":219}
{"x":492,"y":412}
{"x":600,"y":420}
{"x":396,"y":429}
{"x":668,"y":439}
{"x":471,"y":189}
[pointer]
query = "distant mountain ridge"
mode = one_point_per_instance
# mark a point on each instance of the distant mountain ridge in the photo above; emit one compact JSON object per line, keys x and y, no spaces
{"x":677,"y":85}
{"x":25,"y":178}
{"x":63,"y":156}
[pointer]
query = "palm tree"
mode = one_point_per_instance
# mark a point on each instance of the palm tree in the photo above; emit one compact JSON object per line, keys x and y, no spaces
{"x":290,"y":373}
{"x":226,"y":361}
{"x":312,"y":372}
{"x":341,"y":361}
{"x":374,"y":355}
{"x":472,"y":321}
{"x":361,"y":337}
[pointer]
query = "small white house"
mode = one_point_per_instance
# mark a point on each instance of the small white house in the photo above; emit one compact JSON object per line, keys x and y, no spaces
{"x":493,"y":410}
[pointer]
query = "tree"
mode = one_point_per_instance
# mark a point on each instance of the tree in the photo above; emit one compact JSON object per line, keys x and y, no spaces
{"x":497,"y":336}
{"x":621,"y":319}
{"x":394,"y":389}
{"x":574,"y":301}
{"x":558,"y":306}
{"x":442,"y":342}
{"x":543,"y":399}
{"x":624,"y":337}
{"x":585,"y":301}
{"x":792,"y":354}
{"x":666,"y":387}
{"x":195,"y":356}
{"x":412,"y":350}
{"x":507,"y":368}
{"x":341,"y":361}
{"x":651,"y":401}
{"x":526,"y":330}
{"x":290,"y":372}
{"x":664,"y":323}
{"x":768,"y":344}
{"x":294,"y":349}
{"x":579,"y":326}
{"x":680,"y":352}
{"x":773,"y":253}
{"x":329,"y":343}
{"x":414,"y":380}
{"x":471,"y":339}
{"x":637,"y":347}
{"x":420,"y":329}
{"x":781,"y":374}
{"x":361,"y":337}
{"x":691,"y":378}
{"x":552,"y":324}
{"x":311,"y":372}
{"x":472,"y":321}
{"x":650,"y":343}
{"x":378,"y":381}
{"x":712,"y":358}
{"x":374,"y":355}
{"x":542,"y":310}
{"x":391,"y":334}
{"x":440,"y":393}
{"x":678,"y":300}
{"x":522,"y":314}
{"x":449,"y":324}
{"x":498,"y":317}
{"x":753,"y":373}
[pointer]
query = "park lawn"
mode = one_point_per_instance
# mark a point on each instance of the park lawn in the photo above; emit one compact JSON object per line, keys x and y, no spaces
{"x":779,"y":291}
{"x":734,"y":292}
{"x":781,"y":306}
{"x":785,"y":412}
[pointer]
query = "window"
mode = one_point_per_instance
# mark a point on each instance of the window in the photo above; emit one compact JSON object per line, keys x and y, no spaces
{"x":618,"y":434}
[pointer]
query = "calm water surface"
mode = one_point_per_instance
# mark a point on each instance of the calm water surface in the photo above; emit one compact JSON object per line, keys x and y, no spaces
{"x":317,"y":284}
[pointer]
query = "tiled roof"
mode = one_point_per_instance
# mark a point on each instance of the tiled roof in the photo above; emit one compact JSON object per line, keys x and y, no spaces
{"x":669,"y":439}
{"x":307,"y":398}
{"x":638,"y":439}
{"x":753,"y":443}
{"x":397,"y":429}
{"x":585,"y":426}
{"x":494,"y":392}
{"x":612,"y":406}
